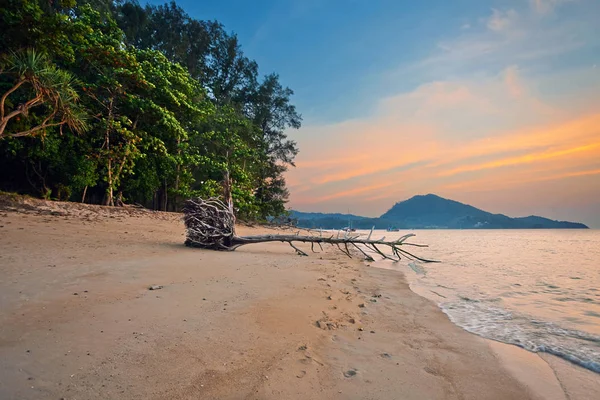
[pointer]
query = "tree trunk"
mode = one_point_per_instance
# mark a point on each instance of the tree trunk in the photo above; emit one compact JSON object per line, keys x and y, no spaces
{"x":227,"y":189}
{"x":165,"y":198}
{"x":177,"y":176}
{"x":119,"y":200}
{"x":109,"y":192}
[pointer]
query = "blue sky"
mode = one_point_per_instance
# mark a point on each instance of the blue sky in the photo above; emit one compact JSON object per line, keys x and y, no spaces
{"x":493,"y":103}
{"x":333,"y":53}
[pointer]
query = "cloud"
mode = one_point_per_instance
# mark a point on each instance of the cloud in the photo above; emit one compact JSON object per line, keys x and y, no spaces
{"x":502,"y":20}
{"x":522,"y":37}
{"x":526,"y":159}
{"x":512,"y":80}
{"x":508,"y":183}
{"x":546,"y":6}
{"x":352,"y":192}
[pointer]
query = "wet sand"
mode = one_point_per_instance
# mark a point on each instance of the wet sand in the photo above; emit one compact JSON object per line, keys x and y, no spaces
{"x":547,"y":376}
{"x":77,"y":319}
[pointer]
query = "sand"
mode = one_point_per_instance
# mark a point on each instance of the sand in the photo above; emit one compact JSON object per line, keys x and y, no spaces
{"x":77,"y":319}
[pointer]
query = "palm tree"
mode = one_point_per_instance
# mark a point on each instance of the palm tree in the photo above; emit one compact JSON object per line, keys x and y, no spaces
{"x":40,"y":82}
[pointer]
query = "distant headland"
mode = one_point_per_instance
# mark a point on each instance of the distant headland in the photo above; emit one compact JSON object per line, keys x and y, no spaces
{"x":430,"y":212}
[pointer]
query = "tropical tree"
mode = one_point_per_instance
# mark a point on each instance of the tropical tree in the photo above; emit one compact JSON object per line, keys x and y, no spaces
{"x":36,"y":82}
{"x":271,"y":110}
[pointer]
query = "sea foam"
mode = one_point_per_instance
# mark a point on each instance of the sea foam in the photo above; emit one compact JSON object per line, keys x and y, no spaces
{"x":495,"y":323}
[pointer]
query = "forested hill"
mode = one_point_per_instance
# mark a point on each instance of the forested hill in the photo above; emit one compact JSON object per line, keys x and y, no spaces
{"x":434,"y":211}
{"x":109,"y":101}
{"x":431,"y":211}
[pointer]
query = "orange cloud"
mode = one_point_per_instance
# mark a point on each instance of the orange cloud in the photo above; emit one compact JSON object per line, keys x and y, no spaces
{"x":372,"y":167}
{"x":385,"y":171}
{"x":572,"y":174}
{"x":321,"y":163}
{"x":526,"y":159}
{"x":508,"y":179}
{"x":358,"y":190}
{"x":573,"y":133}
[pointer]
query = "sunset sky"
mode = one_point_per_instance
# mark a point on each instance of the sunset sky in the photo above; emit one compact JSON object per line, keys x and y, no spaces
{"x":491,"y":103}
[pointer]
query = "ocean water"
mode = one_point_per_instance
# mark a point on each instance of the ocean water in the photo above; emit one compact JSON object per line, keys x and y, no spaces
{"x":537,"y":289}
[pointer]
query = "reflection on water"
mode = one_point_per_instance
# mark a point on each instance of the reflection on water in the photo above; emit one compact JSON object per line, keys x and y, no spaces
{"x":539,"y":289}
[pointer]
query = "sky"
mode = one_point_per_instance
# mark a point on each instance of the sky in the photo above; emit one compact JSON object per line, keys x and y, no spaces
{"x":491,"y":103}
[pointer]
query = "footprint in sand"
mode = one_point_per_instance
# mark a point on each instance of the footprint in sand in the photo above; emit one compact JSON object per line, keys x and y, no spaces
{"x":431,"y":371}
{"x":350,"y":373}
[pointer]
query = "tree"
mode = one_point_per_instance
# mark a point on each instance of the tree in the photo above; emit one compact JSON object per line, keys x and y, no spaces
{"x":209,"y":53}
{"x":38,"y":83}
{"x":229,"y":75}
{"x":170,"y":110}
{"x":37,"y":24}
{"x":228,"y":142}
{"x":272,"y":112}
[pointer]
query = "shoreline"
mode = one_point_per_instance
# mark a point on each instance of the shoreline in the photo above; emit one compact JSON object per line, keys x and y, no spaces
{"x":78,"y":319}
{"x":545,"y":374}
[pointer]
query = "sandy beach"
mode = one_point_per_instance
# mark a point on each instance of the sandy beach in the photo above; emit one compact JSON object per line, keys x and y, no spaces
{"x":78,"y":321}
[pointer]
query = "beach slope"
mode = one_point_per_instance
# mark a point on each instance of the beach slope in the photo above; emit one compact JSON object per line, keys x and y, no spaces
{"x":78,"y":320}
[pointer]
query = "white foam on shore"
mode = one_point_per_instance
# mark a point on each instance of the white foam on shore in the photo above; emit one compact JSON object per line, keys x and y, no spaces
{"x":509,"y":327}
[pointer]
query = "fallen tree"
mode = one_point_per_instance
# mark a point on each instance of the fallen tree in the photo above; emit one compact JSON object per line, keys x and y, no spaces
{"x":210,"y":224}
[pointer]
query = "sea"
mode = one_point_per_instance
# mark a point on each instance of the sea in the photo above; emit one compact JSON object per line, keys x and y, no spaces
{"x":537,"y":289}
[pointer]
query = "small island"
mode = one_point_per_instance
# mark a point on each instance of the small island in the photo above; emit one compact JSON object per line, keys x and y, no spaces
{"x":430,"y":212}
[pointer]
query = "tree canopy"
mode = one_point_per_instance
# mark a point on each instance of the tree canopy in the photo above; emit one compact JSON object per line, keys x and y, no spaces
{"x":109,"y":102}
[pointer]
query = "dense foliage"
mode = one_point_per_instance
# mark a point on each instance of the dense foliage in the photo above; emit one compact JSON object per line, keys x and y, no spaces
{"x":108,"y":102}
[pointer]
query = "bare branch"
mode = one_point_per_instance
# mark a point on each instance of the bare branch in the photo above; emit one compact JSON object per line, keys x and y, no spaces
{"x":300,"y":252}
{"x":367,"y":257}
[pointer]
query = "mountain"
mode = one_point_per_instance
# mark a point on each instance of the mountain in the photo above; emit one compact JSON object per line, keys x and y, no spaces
{"x":433,"y":212}
{"x":535,"y":222}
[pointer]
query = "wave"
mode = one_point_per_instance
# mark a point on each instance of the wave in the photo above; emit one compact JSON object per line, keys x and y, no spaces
{"x":510,"y":327}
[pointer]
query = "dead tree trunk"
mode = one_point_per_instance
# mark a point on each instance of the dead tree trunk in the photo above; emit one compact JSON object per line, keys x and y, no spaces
{"x":210,"y":225}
